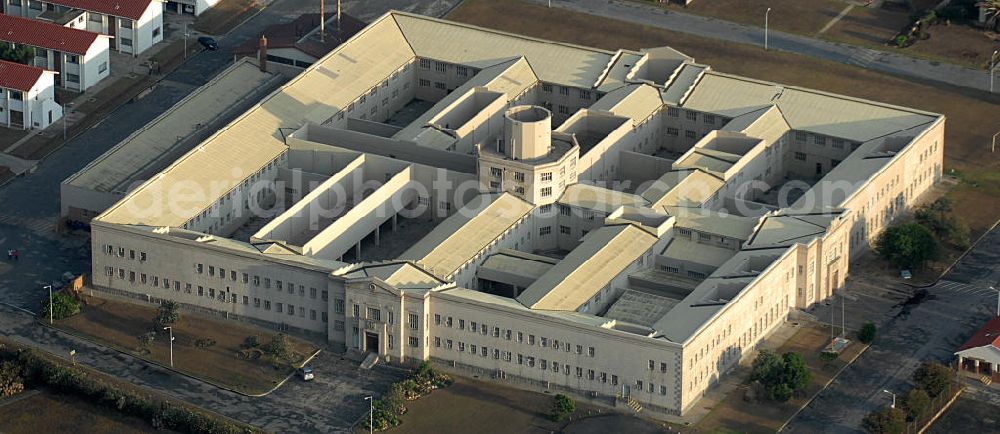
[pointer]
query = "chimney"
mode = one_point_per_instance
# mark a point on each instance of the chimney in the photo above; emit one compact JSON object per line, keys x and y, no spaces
{"x":262,"y":53}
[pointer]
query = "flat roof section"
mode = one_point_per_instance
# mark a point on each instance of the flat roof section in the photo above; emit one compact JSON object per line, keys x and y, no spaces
{"x":147,"y":151}
{"x":639,"y":307}
{"x":464,"y":234}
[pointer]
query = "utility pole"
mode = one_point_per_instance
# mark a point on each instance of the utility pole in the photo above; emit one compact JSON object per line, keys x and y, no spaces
{"x":994,"y":147}
{"x":322,"y":20}
{"x":185,"y":40}
{"x":766,"y":13}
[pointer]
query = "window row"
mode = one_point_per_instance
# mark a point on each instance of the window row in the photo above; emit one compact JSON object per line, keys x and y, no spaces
{"x":223,"y":296}
{"x":511,"y":335}
{"x":108,"y":249}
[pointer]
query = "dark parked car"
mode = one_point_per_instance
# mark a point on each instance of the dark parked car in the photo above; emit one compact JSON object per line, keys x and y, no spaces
{"x":208,"y":42}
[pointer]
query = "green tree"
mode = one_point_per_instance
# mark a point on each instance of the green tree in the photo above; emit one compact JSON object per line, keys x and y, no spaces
{"x":937,"y":216}
{"x":18,"y":54}
{"x":907,"y":245}
{"x":168,"y":313}
{"x":781,"y":376}
{"x":885,"y":421}
{"x":867,"y":332}
{"x":562,"y":406}
{"x":933,"y":377}
{"x":991,"y":8}
{"x":63,"y":306}
{"x":917,"y":402}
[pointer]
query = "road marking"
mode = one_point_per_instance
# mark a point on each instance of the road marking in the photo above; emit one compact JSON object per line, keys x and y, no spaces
{"x":836,"y":19}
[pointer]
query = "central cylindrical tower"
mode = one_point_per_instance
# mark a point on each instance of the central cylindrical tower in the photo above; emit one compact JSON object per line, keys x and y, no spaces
{"x":527,"y":131}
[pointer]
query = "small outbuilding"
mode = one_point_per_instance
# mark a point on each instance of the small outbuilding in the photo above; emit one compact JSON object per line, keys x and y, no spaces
{"x":980,"y":355}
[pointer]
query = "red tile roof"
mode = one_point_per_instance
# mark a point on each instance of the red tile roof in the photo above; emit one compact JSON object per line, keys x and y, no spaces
{"x":18,"y":76}
{"x":45,"y":35}
{"x":120,"y":8}
{"x":989,"y":334}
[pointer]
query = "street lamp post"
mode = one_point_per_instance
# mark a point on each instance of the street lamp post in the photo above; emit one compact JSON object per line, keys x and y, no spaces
{"x":993,"y":66}
{"x":49,"y":287}
{"x":766,"y":13}
{"x":371,"y":414}
{"x":185,"y":40}
{"x":993,"y":148}
{"x":171,"y":330}
{"x":998,"y":299}
{"x":893,"y":398}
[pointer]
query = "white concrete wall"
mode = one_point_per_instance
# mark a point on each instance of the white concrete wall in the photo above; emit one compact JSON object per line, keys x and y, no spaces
{"x":171,"y":271}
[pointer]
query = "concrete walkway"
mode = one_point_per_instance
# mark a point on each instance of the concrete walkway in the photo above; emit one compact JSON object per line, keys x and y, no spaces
{"x":906,"y":66}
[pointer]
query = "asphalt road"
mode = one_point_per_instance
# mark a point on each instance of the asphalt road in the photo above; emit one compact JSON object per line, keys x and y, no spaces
{"x":926,"y":326}
{"x":714,"y":28}
{"x":31,"y":209}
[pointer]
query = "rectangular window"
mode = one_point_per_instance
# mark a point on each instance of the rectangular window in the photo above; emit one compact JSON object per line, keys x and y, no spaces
{"x":425,"y":63}
{"x":545,"y":230}
{"x":546,"y":191}
{"x":338,"y":306}
{"x":414,"y":321}
{"x":374,"y":314}
{"x":691,"y":116}
{"x":462,"y":71}
{"x":563,"y":90}
{"x":440,"y":66}
{"x":424,"y":82}
{"x":673,"y":112}
{"x":564,"y":230}
{"x":414,"y":341}
{"x":439,"y":85}
{"x":801,"y":156}
{"x":126,"y":41}
{"x":672,"y":132}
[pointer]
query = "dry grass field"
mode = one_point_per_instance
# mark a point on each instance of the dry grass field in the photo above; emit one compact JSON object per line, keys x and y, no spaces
{"x":118,"y":324}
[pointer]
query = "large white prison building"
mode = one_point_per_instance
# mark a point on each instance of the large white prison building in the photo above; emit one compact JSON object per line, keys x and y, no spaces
{"x":548,"y":215}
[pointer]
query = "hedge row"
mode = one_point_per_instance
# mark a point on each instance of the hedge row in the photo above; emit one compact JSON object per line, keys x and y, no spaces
{"x":39,"y":370}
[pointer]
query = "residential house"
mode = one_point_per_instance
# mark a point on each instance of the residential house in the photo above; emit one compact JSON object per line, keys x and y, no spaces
{"x":80,"y":57}
{"x":135,"y":25}
{"x":27,"y":97}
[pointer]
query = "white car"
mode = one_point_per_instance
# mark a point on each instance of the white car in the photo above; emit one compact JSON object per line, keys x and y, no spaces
{"x":906,"y":274}
{"x":306,"y":373}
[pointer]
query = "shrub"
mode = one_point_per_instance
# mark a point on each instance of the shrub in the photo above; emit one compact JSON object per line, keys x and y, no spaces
{"x":167,"y":314}
{"x":933,"y":377}
{"x":278,"y":348}
{"x":828,"y":356}
{"x":901,"y":41}
{"x":204,"y":342}
{"x":252,"y":341}
{"x":885,"y":421}
{"x":11,"y":381}
{"x":867,"y":333}
{"x":917,"y":402}
{"x":145,"y":339}
{"x":43,"y":371}
{"x":562,"y":406}
{"x":63,"y":306}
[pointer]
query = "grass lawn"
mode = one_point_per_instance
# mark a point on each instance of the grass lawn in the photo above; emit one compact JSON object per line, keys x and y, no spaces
{"x":47,"y":413}
{"x":116,"y":324}
{"x":734,"y":414}
{"x":792,"y":16}
{"x":957,"y":43}
{"x":492,"y":408}
{"x":971,"y":114}
{"x":225,"y":15}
